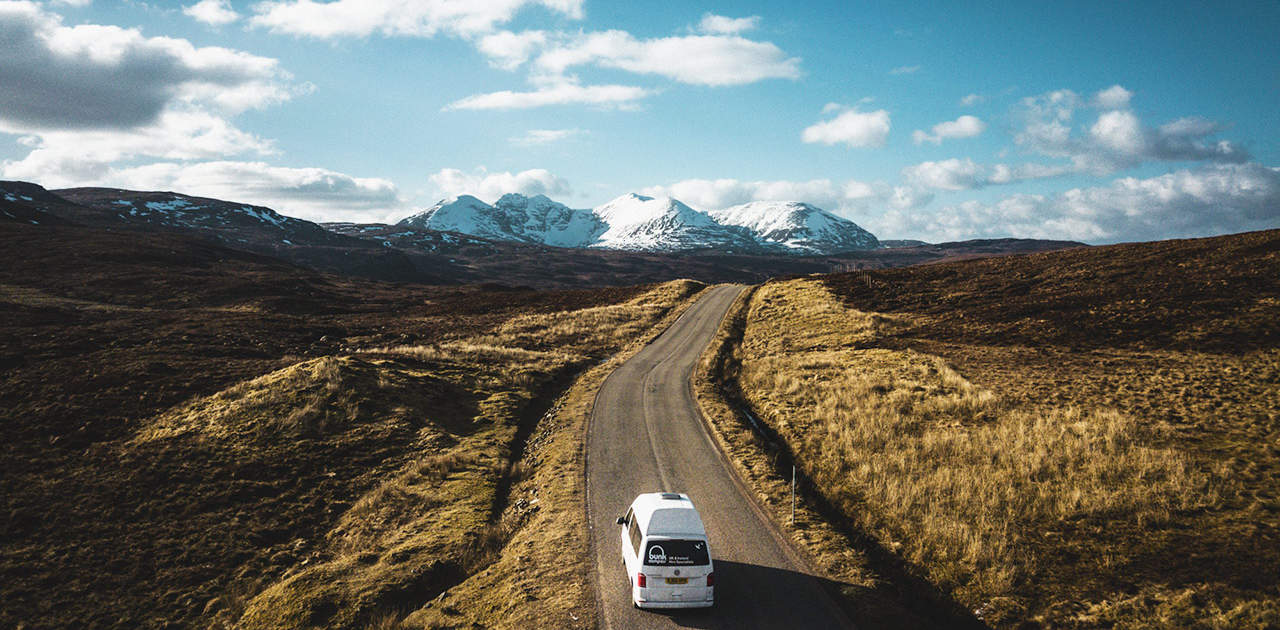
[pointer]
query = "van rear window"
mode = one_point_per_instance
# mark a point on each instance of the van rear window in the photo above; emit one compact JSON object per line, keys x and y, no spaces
{"x":676,"y":553}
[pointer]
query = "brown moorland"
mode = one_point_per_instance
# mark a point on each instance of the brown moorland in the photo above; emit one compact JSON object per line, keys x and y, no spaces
{"x":188,"y":429}
{"x":1085,"y":438}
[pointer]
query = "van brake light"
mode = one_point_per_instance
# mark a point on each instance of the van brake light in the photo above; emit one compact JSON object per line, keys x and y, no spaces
{"x":711,"y":579}
{"x":640,"y":581}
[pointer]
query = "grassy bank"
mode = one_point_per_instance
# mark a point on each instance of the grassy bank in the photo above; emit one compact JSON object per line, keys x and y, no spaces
{"x":399,"y":556}
{"x":203,"y":438}
{"x":1041,"y":481}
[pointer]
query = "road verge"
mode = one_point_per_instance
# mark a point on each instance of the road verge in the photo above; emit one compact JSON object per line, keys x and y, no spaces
{"x":544,"y":576}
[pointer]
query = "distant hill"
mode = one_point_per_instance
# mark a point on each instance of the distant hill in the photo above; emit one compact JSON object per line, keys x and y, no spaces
{"x":524,"y":241}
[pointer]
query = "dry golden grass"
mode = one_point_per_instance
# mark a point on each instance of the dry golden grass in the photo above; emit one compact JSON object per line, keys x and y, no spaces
{"x":532,"y":583}
{"x":987,"y":497}
{"x":471,"y":506}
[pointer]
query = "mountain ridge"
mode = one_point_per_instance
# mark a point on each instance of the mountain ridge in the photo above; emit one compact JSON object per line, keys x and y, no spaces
{"x":399,"y":253}
{"x":635,"y":222}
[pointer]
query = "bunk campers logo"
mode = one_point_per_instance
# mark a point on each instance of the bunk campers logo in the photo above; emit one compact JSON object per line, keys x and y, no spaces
{"x":657,"y":555}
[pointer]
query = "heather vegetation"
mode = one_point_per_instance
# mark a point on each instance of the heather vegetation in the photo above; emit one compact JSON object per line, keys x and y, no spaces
{"x":1020,"y":433}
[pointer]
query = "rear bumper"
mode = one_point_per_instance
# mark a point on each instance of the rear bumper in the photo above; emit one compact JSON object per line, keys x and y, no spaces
{"x":698,"y":598}
{"x":706,"y":603}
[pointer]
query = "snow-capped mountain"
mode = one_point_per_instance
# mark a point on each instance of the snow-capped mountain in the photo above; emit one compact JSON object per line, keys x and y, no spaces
{"x":464,"y":214}
{"x":798,"y":226}
{"x":640,"y":223}
{"x":549,"y":222}
{"x":514,"y":217}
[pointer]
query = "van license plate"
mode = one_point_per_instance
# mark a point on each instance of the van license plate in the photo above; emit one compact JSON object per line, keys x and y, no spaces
{"x":677,"y":580}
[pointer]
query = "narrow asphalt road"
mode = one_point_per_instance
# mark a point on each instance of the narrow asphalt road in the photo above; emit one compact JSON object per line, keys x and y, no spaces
{"x":646,"y":436}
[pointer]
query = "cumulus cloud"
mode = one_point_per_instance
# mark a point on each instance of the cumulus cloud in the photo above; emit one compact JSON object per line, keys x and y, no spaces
{"x":489,"y":187}
{"x":953,"y":174}
{"x":715,"y":194}
{"x":969,"y":100}
{"x":1117,"y":138}
{"x":958,"y":174}
{"x":721,"y":25}
{"x":849,"y":198}
{"x":508,"y":50}
{"x":1114,"y":97}
{"x":96,"y":76}
{"x":1213,"y":199}
{"x":214,"y":12}
{"x":962,"y":127}
{"x":73,"y":157}
{"x":535,"y":137}
{"x":414,"y":18}
{"x":315,"y":194}
{"x":715,"y":60}
{"x":716,"y":55}
{"x":565,"y":93}
{"x":851,"y":127}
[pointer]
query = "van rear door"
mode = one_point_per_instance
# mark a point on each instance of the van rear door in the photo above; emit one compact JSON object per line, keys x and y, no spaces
{"x":677,"y":569}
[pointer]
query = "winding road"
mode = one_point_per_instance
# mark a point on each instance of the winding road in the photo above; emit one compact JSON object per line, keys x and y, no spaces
{"x":646,"y":435}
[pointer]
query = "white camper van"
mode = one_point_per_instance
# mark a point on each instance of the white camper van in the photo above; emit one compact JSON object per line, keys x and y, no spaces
{"x":666,"y":554}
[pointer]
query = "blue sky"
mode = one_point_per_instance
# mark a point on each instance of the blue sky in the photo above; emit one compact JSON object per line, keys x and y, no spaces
{"x":1100,"y":122}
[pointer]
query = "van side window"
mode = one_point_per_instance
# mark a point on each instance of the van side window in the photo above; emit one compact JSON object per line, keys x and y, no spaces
{"x":634,"y":530}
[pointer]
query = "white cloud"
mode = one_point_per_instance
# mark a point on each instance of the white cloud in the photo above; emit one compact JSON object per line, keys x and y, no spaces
{"x":852,"y":128}
{"x":970,"y":100}
{"x":953,"y":174}
{"x":76,"y":157}
{"x":315,"y":194}
{"x":957,"y":174}
{"x":1215,"y":199}
{"x":620,"y":96}
{"x":716,"y":57}
{"x":97,"y":76}
{"x":509,"y":50}
{"x":215,"y":12}
{"x":908,"y":198}
{"x":962,"y":127}
{"x":852,"y":198}
{"x":414,"y":18}
{"x":1117,"y":139}
{"x":1005,"y":174}
{"x":535,"y":137}
{"x":721,"y":25}
{"x":905,"y":70}
{"x":1114,"y":97}
{"x":490,"y":186}
{"x":1119,"y":131}
{"x":88,"y":98}
{"x":714,"y":194}
{"x":715,"y":60}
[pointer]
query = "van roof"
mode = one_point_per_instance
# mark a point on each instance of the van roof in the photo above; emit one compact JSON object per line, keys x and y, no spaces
{"x":667,"y":514}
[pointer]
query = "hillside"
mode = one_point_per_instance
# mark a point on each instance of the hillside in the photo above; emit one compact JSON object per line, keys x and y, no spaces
{"x":1074,"y":439}
{"x":191,"y":430}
